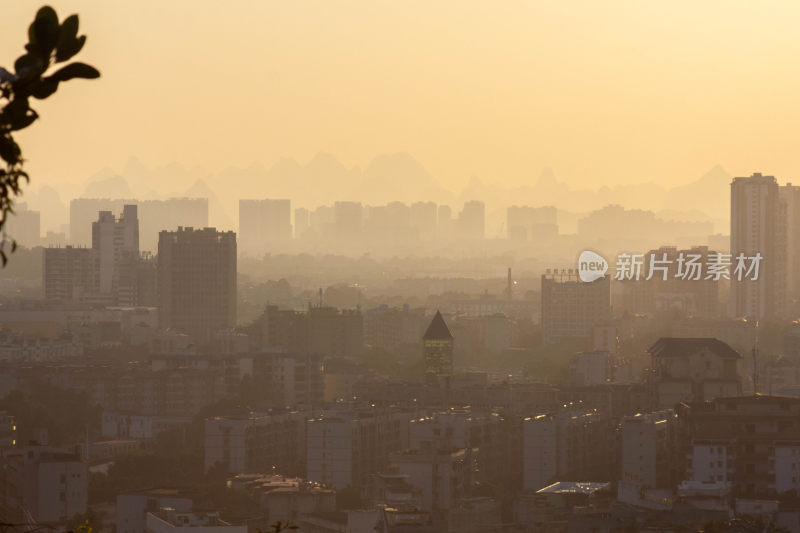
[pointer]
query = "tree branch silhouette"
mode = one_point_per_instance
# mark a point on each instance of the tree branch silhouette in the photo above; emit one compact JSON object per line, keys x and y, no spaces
{"x":49,"y":42}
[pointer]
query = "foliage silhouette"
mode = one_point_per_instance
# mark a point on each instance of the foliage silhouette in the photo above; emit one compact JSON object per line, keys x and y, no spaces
{"x":49,"y":42}
{"x":279,"y":526}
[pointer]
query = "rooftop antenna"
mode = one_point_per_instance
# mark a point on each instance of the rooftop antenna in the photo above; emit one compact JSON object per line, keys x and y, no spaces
{"x":755,"y":363}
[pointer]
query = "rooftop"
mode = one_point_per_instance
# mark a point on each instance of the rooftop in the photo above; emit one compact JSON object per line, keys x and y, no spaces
{"x":437,"y":330}
{"x":681,"y":347}
{"x":166,"y":519}
{"x":574,"y":487}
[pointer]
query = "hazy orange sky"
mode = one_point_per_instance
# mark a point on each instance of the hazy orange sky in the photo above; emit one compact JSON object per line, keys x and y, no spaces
{"x":602,"y":92}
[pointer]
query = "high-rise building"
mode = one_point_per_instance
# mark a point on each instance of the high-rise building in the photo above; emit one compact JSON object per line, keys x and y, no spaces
{"x":262,"y":224}
{"x":289,"y":378}
{"x":83,"y":212}
{"x":117,"y":245}
{"x":750,"y":443}
{"x":445,"y":475}
{"x":651,"y":454}
{"x":647,"y":441}
{"x":154,"y":216}
{"x":790,"y":195}
{"x":566,"y":445}
{"x":672,"y":286}
{"x":54,"y":238}
{"x":111,"y":272}
{"x":335,"y":333}
{"x":302,"y":222}
{"x":570,"y":307}
{"x":24,"y":226}
{"x":132,"y":508}
{"x":347,"y":220}
{"x":445,"y":223}
{"x":758,"y":226}
{"x":279,"y":330}
{"x":438,"y":349}
{"x":70,"y":273}
{"x":146,"y":280}
{"x":472,"y":220}
{"x":321,"y":220}
{"x":424,"y":219}
{"x":390,"y":223}
{"x":346,"y":447}
{"x":693,"y":370}
{"x":197,"y":281}
{"x":8,"y":431}
{"x":527,"y":223}
{"x":257,"y":443}
{"x":42,"y":484}
{"x":324,"y":331}
{"x":454,"y":429}
{"x":387,"y":328}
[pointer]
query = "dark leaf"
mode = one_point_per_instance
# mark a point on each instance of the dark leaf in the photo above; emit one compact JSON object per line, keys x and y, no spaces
{"x":4,"y":257}
{"x":69,"y":29}
{"x":15,"y":111}
{"x":44,"y":88}
{"x":69,"y":48}
{"x":9,"y":150}
{"x":44,"y":31}
{"x":28,"y":67}
{"x":75,"y":70}
{"x":6,"y":75}
{"x":47,"y":13}
{"x":32,"y":41}
{"x":25,"y":62}
{"x":67,"y":38}
{"x":13,"y":246}
{"x":25,"y":121}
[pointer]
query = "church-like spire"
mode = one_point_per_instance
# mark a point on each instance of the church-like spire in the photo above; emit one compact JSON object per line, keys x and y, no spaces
{"x":437,"y":330}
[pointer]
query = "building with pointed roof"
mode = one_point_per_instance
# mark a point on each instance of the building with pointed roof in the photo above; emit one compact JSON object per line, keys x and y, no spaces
{"x":437,"y":330}
{"x":438,"y":349}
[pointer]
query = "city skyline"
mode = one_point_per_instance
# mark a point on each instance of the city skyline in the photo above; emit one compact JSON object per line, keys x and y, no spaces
{"x":388,"y":179}
{"x":400,"y":266}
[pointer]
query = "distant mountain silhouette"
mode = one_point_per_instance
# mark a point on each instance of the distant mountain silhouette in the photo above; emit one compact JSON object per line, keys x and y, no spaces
{"x":102,"y":174}
{"x":709,"y":194}
{"x":548,"y":186}
{"x":400,"y":177}
{"x":324,"y":165}
{"x":53,"y":211}
{"x":680,"y":215}
{"x":217,"y":216}
{"x":111,"y":187}
{"x":134,"y":169}
{"x":324,"y":179}
{"x":705,"y":199}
